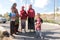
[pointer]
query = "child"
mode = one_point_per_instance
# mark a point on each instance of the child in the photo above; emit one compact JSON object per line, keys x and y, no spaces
{"x":38,"y":23}
{"x":23,"y":16}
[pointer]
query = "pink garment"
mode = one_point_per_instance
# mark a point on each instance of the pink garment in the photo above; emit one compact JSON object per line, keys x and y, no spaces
{"x":38,"y":24}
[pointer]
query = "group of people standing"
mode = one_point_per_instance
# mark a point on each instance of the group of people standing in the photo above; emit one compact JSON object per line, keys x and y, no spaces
{"x":14,"y":18}
{"x":30,"y":14}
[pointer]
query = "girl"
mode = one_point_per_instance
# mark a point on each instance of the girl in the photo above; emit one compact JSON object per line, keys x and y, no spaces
{"x":12,"y":21}
{"x":38,"y":23}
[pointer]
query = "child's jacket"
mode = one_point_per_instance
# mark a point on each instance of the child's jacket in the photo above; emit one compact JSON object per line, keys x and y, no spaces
{"x":38,"y":24}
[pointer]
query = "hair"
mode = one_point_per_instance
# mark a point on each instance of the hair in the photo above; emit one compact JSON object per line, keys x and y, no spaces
{"x":30,"y":5}
{"x":13,"y":5}
{"x":38,"y":14}
{"x":13,"y":8}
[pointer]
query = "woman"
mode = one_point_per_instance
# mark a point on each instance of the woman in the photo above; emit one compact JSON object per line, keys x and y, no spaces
{"x":16,"y":19}
{"x":15,"y":25}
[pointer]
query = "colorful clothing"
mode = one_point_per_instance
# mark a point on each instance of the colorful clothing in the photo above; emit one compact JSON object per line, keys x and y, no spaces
{"x":17,"y":17}
{"x":12,"y":16}
{"x":17,"y":21}
{"x":23,"y":24}
{"x":38,"y":27}
{"x":38,"y":24}
{"x":12,"y":23}
{"x":31,"y":15}
{"x":23,"y":14}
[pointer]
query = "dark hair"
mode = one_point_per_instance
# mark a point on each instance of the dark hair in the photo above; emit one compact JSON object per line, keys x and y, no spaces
{"x":38,"y":14}
{"x":13,"y":8}
{"x":30,"y":4}
{"x":14,"y":4}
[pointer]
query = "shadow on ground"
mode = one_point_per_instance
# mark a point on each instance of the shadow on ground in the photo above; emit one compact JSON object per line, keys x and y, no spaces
{"x":28,"y":36}
{"x":32,"y":36}
{"x":47,"y":33}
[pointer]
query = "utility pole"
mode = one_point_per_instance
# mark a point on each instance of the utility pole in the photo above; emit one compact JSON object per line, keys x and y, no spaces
{"x":54,"y":10}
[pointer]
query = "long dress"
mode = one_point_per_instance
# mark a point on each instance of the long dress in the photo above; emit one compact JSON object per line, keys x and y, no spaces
{"x":16,"y":21}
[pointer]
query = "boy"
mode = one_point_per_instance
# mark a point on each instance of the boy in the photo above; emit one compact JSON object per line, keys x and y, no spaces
{"x":38,"y":23}
{"x":23,"y":16}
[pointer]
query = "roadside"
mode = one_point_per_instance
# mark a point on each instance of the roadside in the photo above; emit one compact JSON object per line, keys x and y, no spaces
{"x":50,"y":31}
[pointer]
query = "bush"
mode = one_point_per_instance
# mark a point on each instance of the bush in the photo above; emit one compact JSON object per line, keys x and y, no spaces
{"x":50,"y":21}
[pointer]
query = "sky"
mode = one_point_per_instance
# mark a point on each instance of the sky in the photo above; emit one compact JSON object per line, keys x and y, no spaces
{"x":40,"y":6}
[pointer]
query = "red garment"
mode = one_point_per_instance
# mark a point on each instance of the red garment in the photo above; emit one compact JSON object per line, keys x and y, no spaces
{"x":38,"y":24}
{"x":23,"y":14}
{"x":31,"y":13}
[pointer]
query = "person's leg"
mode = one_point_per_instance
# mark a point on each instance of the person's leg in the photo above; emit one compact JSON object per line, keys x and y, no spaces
{"x":25,"y":25}
{"x":17,"y":26}
{"x":37,"y":34}
{"x":29,"y":24}
{"x":21,"y":25}
{"x":32,"y":24}
{"x":14,"y":28}
{"x":11,"y":27}
{"x":12,"y":31}
{"x":40,"y":34}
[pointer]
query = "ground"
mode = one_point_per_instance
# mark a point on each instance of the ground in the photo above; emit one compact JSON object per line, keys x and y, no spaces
{"x":50,"y":32}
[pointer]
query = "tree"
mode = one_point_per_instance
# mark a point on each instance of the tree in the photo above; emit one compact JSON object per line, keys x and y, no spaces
{"x":6,"y":15}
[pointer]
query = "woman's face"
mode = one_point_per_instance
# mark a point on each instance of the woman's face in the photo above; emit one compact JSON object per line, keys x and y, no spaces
{"x":15,"y":6}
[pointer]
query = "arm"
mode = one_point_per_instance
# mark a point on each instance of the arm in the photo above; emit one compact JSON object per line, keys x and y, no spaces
{"x":9,"y":14}
{"x":34,"y":13}
{"x":20,"y":13}
{"x":41,"y":21}
{"x":17,"y":14}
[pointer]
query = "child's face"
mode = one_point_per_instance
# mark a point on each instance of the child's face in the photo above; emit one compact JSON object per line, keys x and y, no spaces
{"x":38,"y":16}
